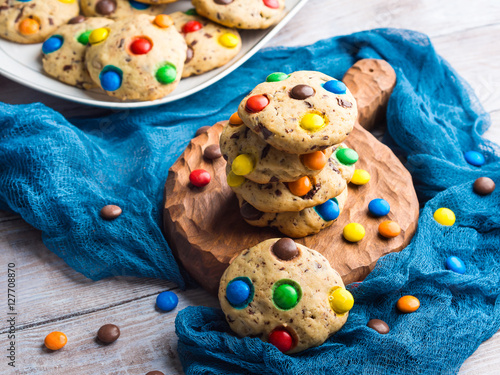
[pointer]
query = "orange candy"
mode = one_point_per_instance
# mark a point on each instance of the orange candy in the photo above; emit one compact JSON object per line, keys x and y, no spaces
{"x":163,"y":21}
{"x":55,"y":340}
{"x":301,"y":186}
{"x":29,"y":26}
{"x":315,"y":160}
{"x":235,"y":119}
{"x":389,"y":229}
{"x":408,"y":304}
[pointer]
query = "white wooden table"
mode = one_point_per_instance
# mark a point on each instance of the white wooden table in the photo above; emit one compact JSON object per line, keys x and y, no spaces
{"x":51,"y":296}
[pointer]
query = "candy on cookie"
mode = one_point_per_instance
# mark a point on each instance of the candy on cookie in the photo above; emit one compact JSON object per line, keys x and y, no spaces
{"x":33,"y":21}
{"x":284,"y":293}
{"x":118,"y":9}
{"x":137,"y":58}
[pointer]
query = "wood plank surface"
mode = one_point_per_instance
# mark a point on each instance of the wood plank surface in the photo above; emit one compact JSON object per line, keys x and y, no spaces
{"x":51,"y":296}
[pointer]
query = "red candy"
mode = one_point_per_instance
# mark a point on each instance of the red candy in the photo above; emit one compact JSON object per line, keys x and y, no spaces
{"x":191,"y":26}
{"x":140,"y":46}
{"x":199,"y":177}
{"x":256,"y":103}
{"x":272,"y":4}
{"x":281,"y":339}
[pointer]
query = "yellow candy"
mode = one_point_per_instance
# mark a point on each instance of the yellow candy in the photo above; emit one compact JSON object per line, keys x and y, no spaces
{"x":444,"y":216}
{"x":98,"y":35}
{"x":67,"y":1}
{"x":360,"y":177}
{"x":234,"y":180}
{"x":243,"y":164}
{"x":229,"y":40}
{"x":312,"y":122}
{"x":354,"y":232}
{"x":341,"y":300}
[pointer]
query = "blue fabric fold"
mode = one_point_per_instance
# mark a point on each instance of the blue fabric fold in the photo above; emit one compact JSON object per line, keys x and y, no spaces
{"x":58,"y":174}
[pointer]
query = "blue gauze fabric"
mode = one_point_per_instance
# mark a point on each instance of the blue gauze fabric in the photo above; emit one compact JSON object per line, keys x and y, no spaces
{"x":58,"y":174}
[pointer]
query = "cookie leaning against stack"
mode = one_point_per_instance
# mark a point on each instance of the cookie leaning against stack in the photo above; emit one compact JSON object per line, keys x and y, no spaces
{"x":285,"y":159}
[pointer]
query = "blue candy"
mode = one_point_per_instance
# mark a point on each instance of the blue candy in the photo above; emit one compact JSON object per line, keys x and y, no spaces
{"x":455,"y":264}
{"x":337,"y":87}
{"x":111,"y":78}
{"x":138,"y":5}
{"x":379,"y":207}
{"x":167,"y":301}
{"x":52,"y":44}
{"x":238,"y":292}
{"x":329,"y":210}
{"x":475,"y":158}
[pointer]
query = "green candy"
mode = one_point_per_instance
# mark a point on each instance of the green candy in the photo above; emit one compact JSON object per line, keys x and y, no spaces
{"x":285,"y":296}
{"x":191,"y":12}
{"x":276,"y":77}
{"x":347,"y":156}
{"x":84,"y":37}
{"x":166,"y":74}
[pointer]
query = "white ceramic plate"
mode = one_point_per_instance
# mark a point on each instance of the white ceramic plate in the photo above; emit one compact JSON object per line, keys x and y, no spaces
{"x":22,"y":63}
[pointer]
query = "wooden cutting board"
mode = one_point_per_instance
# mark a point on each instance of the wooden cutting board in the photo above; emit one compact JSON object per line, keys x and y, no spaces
{"x":205,"y":230}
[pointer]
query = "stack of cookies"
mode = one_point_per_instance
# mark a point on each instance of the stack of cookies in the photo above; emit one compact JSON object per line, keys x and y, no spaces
{"x":285,"y":158}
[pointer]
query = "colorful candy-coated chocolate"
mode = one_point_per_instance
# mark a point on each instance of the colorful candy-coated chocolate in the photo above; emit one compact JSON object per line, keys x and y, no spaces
{"x":389,"y":229}
{"x":191,"y":26}
{"x":202,"y":130}
{"x":285,"y":249}
{"x":273,"y":4}
{"x":312,"y":122}
{"x":378,"y":325}
{"x":301,"y":92}
{"x":155,"y":373}
{"x":354,"y":232}
{"x":276,"y":77}
{"x":341,"y":300}
{"x":484,"y":186}
{"x":167,"y":301}
{"x":138,"y":5}
{"x":212,"y":152}
{"x":347,"y":156}
{"x":235,"y":119}
{"x":336,"y":87}
{"x":111,"y":78}
{"x":455,"y":264}
{"x":444,"y":216}
{"x":166,"y":74}
{"x":408,"y":304}
{"x":105,"y":7}
{"x":55,"y":340}
{"x":108,"y":333}
{"x":234,"y":180}
{"x":163,"y":21}
{"x":29,"y":26}
{"x":98,"y":35}
{"x":141,"y":46}
{"x":300,"y":187}
{"x":379,"y":207}
{"x":52,"y":44}
{"x":243,"y":164}
{"x":285,"y":296}
{"x":474,"y":158}
{"x":191,"y":12}
{"x":281,"y":339}
{"x":110,"y":212}
{"x":328,"y":210}
{"x":256,"y":103}
{"x":360,"y":177}
{"x":229,"y":40}
{"x":315,"y":160}
{"x":199,"y":177}
{"x":237,"y":292}
{"x":83,"y":38}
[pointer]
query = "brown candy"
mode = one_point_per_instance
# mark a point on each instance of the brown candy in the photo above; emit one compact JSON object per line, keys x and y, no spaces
{"x":77,"y":19}
{"x":301,"y":92}
{"x":105,"y":7}
{"x":285,"y":249}
{"x":110,"y":212}
{"x":378,"y":325}
{"x":108,"y":333}
{"x":223,"y":2}
{"x":155,"y":373}
{"x":249,"y":212}
{"x":212,"y":152}
{"x":201,"y":130}
{"x":484,"y":186}
{"x":189,"y":55}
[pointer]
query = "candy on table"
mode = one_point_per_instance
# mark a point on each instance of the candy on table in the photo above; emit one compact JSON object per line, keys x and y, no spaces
{"x":444,"y":216}
{"x":199,"y":177}
{"x":55,"y":340}
{"x":108,"y":333}
{"x":484,"y":186}
{"x":155,"y":373}
{"x":354,"y":232}
{"x":474,"y":158}
{"x":378,"y":325}
{"x":389,"y":229}
{"x":379,"y":207}
{"x":201,"y":130}
{"x":110,"y":212}
{"x":408,"y":304}
{"x":212,"y":152}
{"x":167,"y":301}
{"x":360,"y":177}
{"x":455,"y":264}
